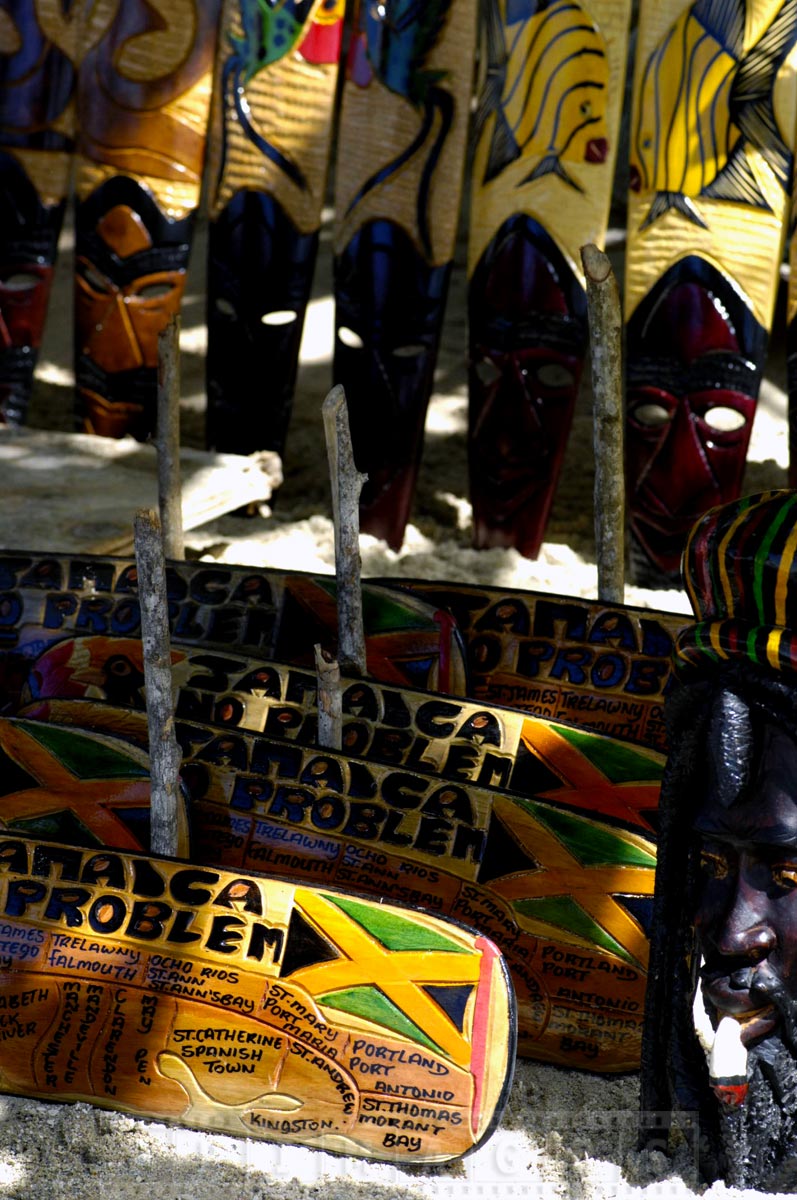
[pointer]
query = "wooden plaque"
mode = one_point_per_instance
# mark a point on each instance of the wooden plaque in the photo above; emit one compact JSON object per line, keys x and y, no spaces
{"x":559,"y":871}
{"x":271,"y":134}
{"x":546,"y":135}
{"x":446,"y":736}
{"x":248,"y":1005}
{"x":711,"y":161}
{"x":600,"y":666}
{"x":45,"y":598}
{"x":400,"y":159}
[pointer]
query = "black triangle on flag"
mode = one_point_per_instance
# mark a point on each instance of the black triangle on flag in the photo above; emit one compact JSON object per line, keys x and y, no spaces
{"x":530,"y":775}
{"x":640,"y":908}
{"x":304,"y":946}
{"x":416,"y":670}
{"x":502,"y":855}
{"x":453,"y":999}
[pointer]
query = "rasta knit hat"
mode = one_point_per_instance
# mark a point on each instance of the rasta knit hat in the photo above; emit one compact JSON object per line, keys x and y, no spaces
{"x":740,"y":571}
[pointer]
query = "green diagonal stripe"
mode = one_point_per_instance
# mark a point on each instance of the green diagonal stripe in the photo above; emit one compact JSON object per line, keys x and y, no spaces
{"x":394,"y":931}
{"x":83,"y":756}
{"x":383,"y":613}
{"x":618,"y":762}
{"x":566,"y":914}
{"x":372,"y":1004}
{"x":592,"y":844}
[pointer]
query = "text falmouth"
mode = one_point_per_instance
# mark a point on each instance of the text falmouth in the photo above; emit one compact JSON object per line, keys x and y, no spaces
{"x":139,"y":899}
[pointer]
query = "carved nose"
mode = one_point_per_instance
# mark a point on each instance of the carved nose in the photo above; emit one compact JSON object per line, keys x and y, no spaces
{"x":746,"y":934}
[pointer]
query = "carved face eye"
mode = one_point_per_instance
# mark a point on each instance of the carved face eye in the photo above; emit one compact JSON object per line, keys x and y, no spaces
{"x":652,"y":416}
{"x":554,"y":375}
{"x":21,"y":281}
{"x":487,"y":371}
{"x":724,"y":419}
{"x":349,"y":338}
{"x":784,"y":874}
{"x":280,"y":316}
{"x":714,"y":864}
{"x":96,"y":282}
{"x":154,"y":291}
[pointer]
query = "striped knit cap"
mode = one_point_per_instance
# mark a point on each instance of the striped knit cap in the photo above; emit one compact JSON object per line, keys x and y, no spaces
{"x":740,"y":570}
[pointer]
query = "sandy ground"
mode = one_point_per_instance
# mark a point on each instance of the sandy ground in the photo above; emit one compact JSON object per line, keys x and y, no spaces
{"x":564,"y":1133}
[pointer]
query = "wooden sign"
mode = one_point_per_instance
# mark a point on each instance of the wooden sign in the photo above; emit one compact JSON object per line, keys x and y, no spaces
{"x":600,"y":666}
{"x":447,"y":736}
{"x":559,"y":871}
{"x":546,"y":136}
{"x":45,"y":598}
{"x":711,"y":162}
{"x":143,"y":104}
{"x":400,"y":159}
{"x":248,"y":1005}
{"x":40,"y":45}
{"x":270,"y":138}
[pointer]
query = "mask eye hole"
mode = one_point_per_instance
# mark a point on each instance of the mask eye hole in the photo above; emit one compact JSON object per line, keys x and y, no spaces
{"x":724,"y":419}
{"x":96,"y":281}
{"x":554,"y":375}
{"x":154,"y":291}
{"x":487,"y":371}
{"x":280,"y":316}
{"x":350,"y":338}
{"x":225,"y":307}
{"x":21,"y":281}
{"x":652,"y":416}
{"x":411,"y":351}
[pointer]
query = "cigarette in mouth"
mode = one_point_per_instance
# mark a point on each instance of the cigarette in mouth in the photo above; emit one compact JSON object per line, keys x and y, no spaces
{"x":726,"y":1054}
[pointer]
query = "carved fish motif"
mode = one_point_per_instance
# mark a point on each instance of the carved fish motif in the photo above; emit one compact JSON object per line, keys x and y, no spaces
{"x":704,"y":104}
{"x":546,"y":84}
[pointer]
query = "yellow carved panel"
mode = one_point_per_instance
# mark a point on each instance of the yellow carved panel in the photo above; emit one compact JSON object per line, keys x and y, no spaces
{"x":561,"y":96}
{"x":378,"y":124}
{"x":712,"y":135}
{"x":291,"y":104}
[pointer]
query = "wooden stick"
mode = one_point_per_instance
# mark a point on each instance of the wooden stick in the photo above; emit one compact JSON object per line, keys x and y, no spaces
{"x":170,"y":500}
{"x":330,"y":701}
{"x":164,"y":753}
{"x":605,"y":326}
{"x":347,"y":483}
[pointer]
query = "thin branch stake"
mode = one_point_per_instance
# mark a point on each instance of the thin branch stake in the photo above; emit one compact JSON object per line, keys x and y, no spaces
{"x":606,"y":330}
{"x":330,"y":701}
{"x":164,"y":753}
{"x":347,"y":483}
{"x":170,"y":498}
